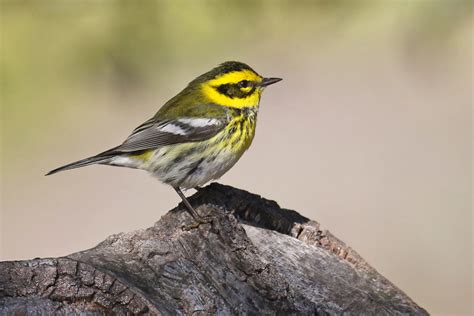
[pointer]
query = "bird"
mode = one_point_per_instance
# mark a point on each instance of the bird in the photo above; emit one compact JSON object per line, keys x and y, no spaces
{"x":196,"y":136}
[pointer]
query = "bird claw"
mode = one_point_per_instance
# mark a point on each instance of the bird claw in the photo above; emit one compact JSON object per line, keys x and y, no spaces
{"x":198,"y":222}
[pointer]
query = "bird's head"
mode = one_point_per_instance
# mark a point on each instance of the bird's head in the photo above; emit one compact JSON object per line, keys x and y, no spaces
{"x":233,"y":84}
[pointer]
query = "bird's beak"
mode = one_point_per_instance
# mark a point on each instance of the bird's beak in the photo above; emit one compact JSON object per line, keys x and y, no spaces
{"x":268,"y":81}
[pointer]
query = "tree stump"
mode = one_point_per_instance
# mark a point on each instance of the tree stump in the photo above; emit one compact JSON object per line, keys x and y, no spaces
{"x":254,"y":258}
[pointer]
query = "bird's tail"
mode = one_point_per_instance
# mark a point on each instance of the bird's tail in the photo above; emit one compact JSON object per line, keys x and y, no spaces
{"x":100,"y":158}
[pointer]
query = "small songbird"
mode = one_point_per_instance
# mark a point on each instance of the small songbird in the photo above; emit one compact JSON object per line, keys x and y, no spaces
{"x":196,"y":136}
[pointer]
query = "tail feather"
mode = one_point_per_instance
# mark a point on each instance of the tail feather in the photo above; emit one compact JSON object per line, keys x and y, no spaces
{"x":82,"y":163}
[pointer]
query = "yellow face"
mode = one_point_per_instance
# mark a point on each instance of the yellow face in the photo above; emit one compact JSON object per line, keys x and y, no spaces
{"x":239,"y":89}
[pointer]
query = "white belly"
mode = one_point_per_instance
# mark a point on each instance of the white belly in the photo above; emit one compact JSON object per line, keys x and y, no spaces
{"x":187,"y":167}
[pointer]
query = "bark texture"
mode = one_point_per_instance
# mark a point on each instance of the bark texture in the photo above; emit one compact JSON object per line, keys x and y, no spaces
{"x":255,"y":258}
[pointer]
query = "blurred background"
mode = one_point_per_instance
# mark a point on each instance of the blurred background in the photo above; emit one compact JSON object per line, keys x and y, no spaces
{"x":369,"y":133}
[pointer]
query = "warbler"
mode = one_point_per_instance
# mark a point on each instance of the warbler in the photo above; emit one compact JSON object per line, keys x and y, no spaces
{"x":196,"y":136}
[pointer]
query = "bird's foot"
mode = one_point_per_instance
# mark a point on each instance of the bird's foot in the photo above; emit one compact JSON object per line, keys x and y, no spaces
{"x":198,"y":221}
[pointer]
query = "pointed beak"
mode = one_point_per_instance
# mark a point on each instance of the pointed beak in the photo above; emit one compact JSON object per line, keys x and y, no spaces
{"x":268,"y":81}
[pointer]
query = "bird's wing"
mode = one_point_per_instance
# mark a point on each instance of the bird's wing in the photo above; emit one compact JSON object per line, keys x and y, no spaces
{"x":157,"y":132}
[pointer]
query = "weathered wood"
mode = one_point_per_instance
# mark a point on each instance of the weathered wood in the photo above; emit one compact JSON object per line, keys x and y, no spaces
{"x":255,"y":258}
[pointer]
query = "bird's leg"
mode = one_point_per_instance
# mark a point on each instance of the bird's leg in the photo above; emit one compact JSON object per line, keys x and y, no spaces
{"x":198,"y":218}
{"x":189,"y":208}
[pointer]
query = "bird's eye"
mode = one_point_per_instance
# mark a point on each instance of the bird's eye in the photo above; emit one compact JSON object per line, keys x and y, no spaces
{"x":244,"y":84}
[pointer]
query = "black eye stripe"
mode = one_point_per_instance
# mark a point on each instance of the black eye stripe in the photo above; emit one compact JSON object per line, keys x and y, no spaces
{"x":233,"y":90}
{"x":224,"y":89}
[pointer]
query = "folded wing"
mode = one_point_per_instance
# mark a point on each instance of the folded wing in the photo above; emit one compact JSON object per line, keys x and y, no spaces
{"x":154,"y":134}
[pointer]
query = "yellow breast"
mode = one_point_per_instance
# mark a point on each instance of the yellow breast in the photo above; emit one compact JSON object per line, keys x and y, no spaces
{"x":239,"y":133}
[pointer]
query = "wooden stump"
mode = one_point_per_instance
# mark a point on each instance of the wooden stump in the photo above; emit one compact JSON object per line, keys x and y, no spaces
{"x":254,"y":258}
